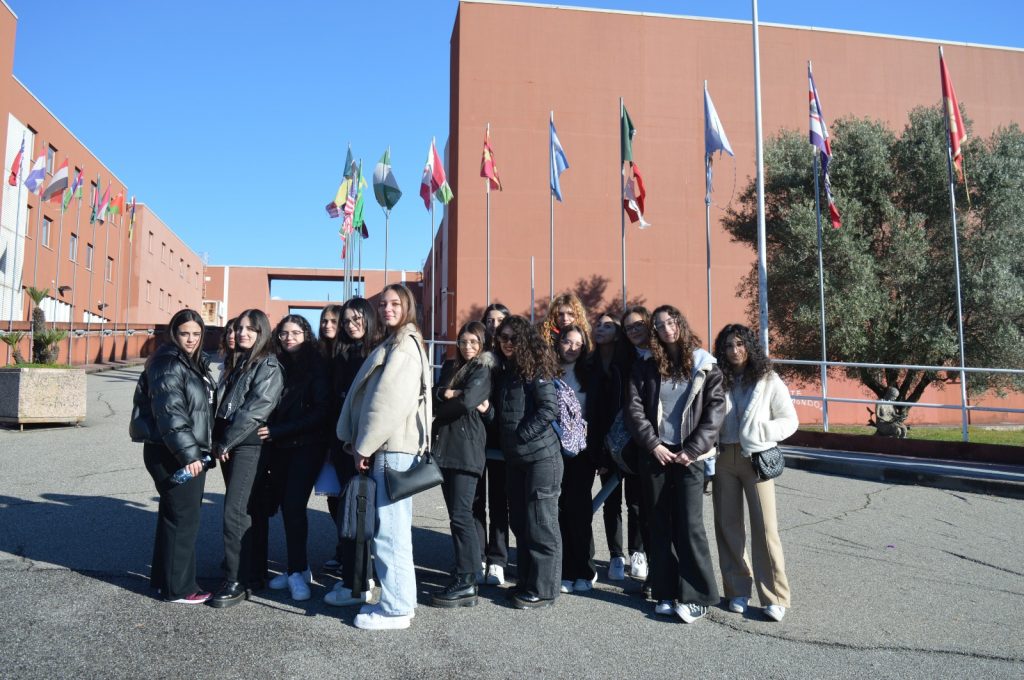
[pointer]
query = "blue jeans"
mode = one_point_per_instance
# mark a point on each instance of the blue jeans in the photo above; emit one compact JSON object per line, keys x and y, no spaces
{"x":392,"y":544}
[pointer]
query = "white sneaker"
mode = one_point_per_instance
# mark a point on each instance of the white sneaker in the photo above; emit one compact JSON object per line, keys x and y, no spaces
{"x":738,"y":605}
{"x":617,"y":569}
{"x":775,"y":612}
{"x":583,"y":585}
{"x":690,"y":612}
{"x":376,"y":620}
{"x":664,"y":608}
{"x":638,"y":566}
{"x":298,"y":584}
{"x":279,"y":582}
{"x":566,"y":587}
{"x":341,"y":596}
{"x":495,"y":575}
{"x":370,"y":608}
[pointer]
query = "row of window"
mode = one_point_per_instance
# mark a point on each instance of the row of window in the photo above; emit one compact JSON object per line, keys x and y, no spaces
{"x":164,"y":298}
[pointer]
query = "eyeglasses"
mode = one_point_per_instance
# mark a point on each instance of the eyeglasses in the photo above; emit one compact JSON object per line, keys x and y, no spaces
{"x":506,"y":337}
{"x":352,"y":321}
{"x":635,"y":327}
{"x":667,"y":323}
{"x":284,"y":335}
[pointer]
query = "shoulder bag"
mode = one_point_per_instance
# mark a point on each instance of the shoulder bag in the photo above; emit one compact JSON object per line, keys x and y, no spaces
{"x":768,"y":464}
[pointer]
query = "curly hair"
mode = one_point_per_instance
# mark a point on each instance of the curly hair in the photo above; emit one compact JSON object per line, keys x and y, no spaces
{"x":532,"y":357}
{"x":758,"y":364}
{"x":687,"y":342}
{"x":550,"y":329}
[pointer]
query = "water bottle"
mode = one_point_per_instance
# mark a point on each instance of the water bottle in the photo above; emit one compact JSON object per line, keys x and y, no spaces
{"x":183,"y":475}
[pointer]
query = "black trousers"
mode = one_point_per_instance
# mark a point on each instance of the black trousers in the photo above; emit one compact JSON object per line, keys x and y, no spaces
{"x":636,"y":525}
{"x":490,"y":510}
{"x":173,"y":569}
{"x":575,"y":519}
{"x":459,"y":490}
{"x":293,"y":472}
{"x":678,"y":553}
{"x":533,"y":490}
{"x":245,"y":515}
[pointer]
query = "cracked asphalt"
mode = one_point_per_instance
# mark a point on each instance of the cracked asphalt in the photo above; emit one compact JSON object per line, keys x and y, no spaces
{"x":888,"y":582}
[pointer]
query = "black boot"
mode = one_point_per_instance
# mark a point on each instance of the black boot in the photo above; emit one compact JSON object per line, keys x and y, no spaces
{"x":461,"y":592}
{"x":229,"y":594}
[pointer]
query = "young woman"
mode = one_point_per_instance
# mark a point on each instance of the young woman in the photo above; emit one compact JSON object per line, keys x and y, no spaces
{"x":173,"y":417}
{"x":674,"y":411}
{"x":575,"y":518}
{"x":566,"y":310}
{"x":491,"y":501}
{"x":385,"y":421}
{"x":461,"y":395}
{"x":636,"y":326}
{"x":293,"y":441}
{"x":359,"y":332}
{"x":247,"y":397}
{"x":759,"y":413}
{"x":526,"y":406}
{"x":221,"y":365}
{"x":330,"y":345}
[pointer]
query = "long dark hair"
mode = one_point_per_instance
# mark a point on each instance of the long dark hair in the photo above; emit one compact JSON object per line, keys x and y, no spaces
{"x":180,"y":318}
{"x":493,"y":307}
{"x":580,"y":367}
{"x":373,"y":330}
{"x":687,"y":342}
{"x":329,"y":346}
{"x":477,"y":330}
{"x":262,"y":348}
{"x":309,"y":348}
{"x":758,"y":364}
{"x":532,"y":357}
{"x":645,"y":317}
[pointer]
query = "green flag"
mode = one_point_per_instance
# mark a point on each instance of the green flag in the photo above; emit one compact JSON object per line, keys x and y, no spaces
{"x":385,"y":186}
{"x":626,"y":137}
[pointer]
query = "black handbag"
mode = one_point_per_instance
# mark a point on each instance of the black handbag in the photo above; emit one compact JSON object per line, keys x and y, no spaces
{"x":768,"y":464}
{"x":423,"y":475}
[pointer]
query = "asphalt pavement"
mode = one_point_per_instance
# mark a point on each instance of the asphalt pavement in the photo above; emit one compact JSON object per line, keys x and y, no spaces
{"x":890,"y":580}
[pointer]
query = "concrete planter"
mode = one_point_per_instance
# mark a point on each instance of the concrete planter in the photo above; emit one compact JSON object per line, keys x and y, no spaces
{"x":42,"y":395}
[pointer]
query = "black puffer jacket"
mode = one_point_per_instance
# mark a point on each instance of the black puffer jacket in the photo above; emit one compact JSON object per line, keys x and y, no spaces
{"x":173,"y":404}
{"x":299,"y":417}
{"x":246,"y":400}
{"x":525,"y":412}
{"x":459,"y":434}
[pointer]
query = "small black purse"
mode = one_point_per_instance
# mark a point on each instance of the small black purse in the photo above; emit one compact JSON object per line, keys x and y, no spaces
{"x":422,"y":476}
{"x":768,"y":464}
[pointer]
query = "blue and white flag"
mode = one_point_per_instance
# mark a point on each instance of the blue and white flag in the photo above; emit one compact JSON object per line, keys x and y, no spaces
{"x":559,"y":163}
{"x":36,"y":176}
{"x":715,"y":139}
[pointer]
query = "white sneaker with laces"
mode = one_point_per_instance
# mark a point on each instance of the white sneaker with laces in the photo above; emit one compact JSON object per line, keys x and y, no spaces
{"x":495,"y":575}
{"x":617,"y":569}
{"x":298,"y":584}
{"x":566,"y":587}
{"x":690,"y":612}
{"x":340,"y":596}
{"x":775,"y":612}
{"x":638,"y":566}
{"x":279,"y":582}
{"x":378,"y":620}
{"x":738,"y":605}
{"x":583,"y":585}
{"x":664,"y":608}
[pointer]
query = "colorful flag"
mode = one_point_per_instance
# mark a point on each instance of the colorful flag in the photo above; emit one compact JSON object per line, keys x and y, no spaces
{"x":74,"y":191}
{"x":434,"y":180}
{"x":348,"y":208}
{"x":626,"y":136}
{"x":954,"y":121}
{"x":94,"y":203}
{"x":357,"y":213}
{"x":131,"y":219}
{"x":104,"y":203}
{"x":37,"y":174}
{"x":58,"y":183}
{"x":116,"y":206}
{"x":385,"y":186}
{"x":715,"y":139}
{"x":16,"y":165}
{"x":635,"y":194}
{"x":350,"y":164}
{"x":820,"y":139}
{"x":559,"y":163}
{"x":488,"y":169}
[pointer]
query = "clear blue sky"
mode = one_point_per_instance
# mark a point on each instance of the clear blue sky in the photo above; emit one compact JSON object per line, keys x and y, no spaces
{"x":231,"y":119}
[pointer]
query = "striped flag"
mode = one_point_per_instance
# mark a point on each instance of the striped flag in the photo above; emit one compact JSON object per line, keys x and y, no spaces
{"x":37,"y":174}
{"x":16,"y":165}
{"x":559,"y":163}
{"x":131,"y":219}
{"x":434,"y":180}
{"x":58,"y":183}
{"x":74,"y":192}
{"x":820,"y":140}
{"x":954,"y":121}
{"x":349,"y":207}
{"x":102,"y":205}
{"x":635,"y":194}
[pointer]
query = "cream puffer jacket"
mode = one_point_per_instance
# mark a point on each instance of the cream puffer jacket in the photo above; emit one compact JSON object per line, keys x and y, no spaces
{"x":769,"y":418}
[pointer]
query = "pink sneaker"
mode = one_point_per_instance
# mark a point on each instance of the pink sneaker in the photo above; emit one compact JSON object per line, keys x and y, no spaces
{"x":194,"y":598}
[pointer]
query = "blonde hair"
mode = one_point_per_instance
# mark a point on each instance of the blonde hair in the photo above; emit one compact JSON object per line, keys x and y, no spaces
{"x":550,"y":327}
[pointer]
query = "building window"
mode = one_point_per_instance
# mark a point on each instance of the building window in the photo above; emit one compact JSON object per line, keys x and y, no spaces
{"x":160,"y":302}
{"x":88,"y":256}
{"x":109,"y":271}
{"x":149,"y":290}
{"x":51,"y":156}
{"x":45,"y":235}
{"x":150,"y":244}
{"x":163,"y":252}
{"x":181,"y":269}
{"x":171,"y":263}
{"x":73,"y":248}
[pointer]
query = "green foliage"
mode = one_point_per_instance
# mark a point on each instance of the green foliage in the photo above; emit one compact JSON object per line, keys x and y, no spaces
{"x":889,"y":278}
{"x":13,"y":340}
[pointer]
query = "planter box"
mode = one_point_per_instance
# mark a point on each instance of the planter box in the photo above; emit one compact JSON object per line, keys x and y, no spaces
{"x":42,"y":395}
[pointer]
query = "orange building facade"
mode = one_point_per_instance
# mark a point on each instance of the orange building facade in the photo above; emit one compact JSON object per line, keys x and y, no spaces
{"x":512,"y":64}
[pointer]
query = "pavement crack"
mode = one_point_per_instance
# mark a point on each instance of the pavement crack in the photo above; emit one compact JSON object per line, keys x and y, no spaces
{"x":107,"y":472}
{"x":984,"y":564}
{"x":110,"y":409}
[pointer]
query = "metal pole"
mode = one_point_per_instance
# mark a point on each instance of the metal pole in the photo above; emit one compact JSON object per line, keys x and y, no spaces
{"x":74,"y":283}
{"x":128,"y":295}
{"x":115,"y":275}
{"x":106,"y":249}
{"x":14,"y":243}
{"x":533,"y":291}
{"x":622,"y":210}
{"x":387,"y":229}
{"x":707,"y":228}
{"x":762,"y":258}
{"x":821,"y":296}
{"x":56,"y":276}
{"x":92,"y":267}
{"x":39,"y":223}
{"x":551,"y":239}
{"x":959,"y":300}
{"x":433,"y":277}
{"x":487,"y":184}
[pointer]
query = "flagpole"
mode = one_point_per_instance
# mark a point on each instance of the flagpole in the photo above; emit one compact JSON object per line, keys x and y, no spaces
{"x":359,"y":255}
{"x":56,"y":276}
{"x":115,"y":275}
{"x":387,"y":227}
{"x":17,"y":233}
{"x":821,"y":293}
{"x":487,"y":184}
{"x":39,"y":224}
{"x":433,"y":277}
{"x":128,"y":295}
{"x":956,"y":269}
{"x":92,"y":265}
{"x":533,"y":291}
{"x":551,"y":236}
{"x":106,"y":251}
{"x":622,"y":209}
{"x":762,"y":258}
{"x":74,"y":279}
{"x":707,"y":223}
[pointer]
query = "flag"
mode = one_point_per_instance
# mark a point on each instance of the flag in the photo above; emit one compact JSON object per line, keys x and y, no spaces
{"x":357,"y":213}
{"x":385,"y":186}
{"x":58,"y":183}
{"x":434,"y":180}
{"x":37,"y":174}
{"x":117,"y":205}
{"x":102,"y":205}
{"x":559,"y":163}
{"x":349,"y":163}
{"x":715,"y":139}
{"x":95,"y":201}
{"x":954,"y":121}
{"x":487,"y":167}
{"x":131,"y":219}
{"x":74,"y":191}
{"x":334,"y":207}
{"x":349,"y":207}
{"x":820,"y":139}
{"x":635,"y":194}
{"x":16,"y":165}
{"x":626,"y":136}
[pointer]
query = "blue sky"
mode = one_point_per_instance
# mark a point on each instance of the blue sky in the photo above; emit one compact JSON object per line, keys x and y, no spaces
{"x":231,"y":119}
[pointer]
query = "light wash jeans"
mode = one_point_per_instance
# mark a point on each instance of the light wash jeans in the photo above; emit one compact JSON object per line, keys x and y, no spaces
{"x":393,"y":541}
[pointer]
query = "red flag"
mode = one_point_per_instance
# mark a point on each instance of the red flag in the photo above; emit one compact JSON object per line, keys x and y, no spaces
{"x":487,"y":167}
{"x":636,"y":194}
{"x":954,"y":121}
{"x":16,"y":166}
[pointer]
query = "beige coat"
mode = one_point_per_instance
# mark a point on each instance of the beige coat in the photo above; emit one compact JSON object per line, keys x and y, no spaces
{"x":388,"y":407}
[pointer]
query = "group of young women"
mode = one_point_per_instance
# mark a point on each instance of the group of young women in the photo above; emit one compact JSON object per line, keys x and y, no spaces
{"x":363,"y":399}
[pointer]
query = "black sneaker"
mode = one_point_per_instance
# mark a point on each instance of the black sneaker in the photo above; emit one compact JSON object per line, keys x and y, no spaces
{"x":690,"y":612}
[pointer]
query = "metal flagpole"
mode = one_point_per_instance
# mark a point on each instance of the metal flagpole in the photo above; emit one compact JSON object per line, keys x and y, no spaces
{"x":39,"y":224}
{"x":74,"y":278}
{"x":707,"y":225}
{"x":387,"y":229}
{"x":359,"y":255}
{"x":762,"y":258}
{"x":14,"y":243}
{"x":956,"y":269}
{"x":433,"y":274}
{"x":115,"y":275}
{"x":56,"y":276}
{"x":622,"y":208}
{"x":551,"y":201}
{"x":821,"y":295}
{"x":92,"y":265}
{"x":487,"y":184}
{"x":533,"y":291}
{"x":103,"y":294}
{"x":128,"y":295}
{"x":361,"y":260}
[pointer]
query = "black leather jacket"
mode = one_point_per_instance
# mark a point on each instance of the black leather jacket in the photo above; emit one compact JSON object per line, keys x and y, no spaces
{"x":246,"y":399}
{"x":525,"y":412}
{"x":174,"y":404}
{"x":299,"y":417}
{"x":459,"y":434}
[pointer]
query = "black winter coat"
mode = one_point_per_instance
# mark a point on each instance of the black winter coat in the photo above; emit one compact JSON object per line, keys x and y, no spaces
{"x":343,"y":368}
{"x":525,"y":412}
{"x":246,"y":400}
{"x":299,"y":417}
{"x":604,"y":401}
{"x":459,"y":433}
{"x":174,"y":404}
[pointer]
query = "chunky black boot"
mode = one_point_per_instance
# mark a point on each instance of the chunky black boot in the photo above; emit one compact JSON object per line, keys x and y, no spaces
{"x":229,"y":594}
{"x":461,"y":592}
